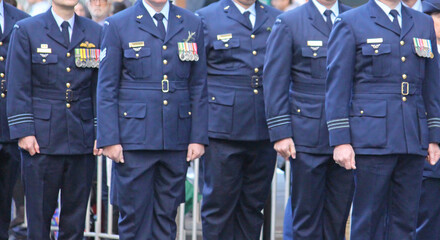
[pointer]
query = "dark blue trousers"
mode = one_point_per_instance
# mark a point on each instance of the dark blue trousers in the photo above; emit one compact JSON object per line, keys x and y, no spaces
{"x":150,"y":186}
{"x":386,"y":199}
{"x":237,"y":179}
{"x":43,"y":177}
{"x":322,"y":193}
{"x":9,"y":167}
{"x":428,"y":226}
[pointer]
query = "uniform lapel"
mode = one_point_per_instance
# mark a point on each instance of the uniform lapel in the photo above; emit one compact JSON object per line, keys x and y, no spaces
{"x":9,"y":21}
{"x":381,"y":18}
{"x":233,"y":13}
{"x":144,"y":20}
{"x":77,"y":34}
{"x":53,"y":31}
{"x":261,"y":16}
{"x":317,"y":19}
{"x":407,"y":21}
{"x":174,"y":23}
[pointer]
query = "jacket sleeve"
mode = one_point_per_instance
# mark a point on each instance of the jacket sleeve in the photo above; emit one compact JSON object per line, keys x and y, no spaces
{"x":199,"y":93}
{"x":340,"y":76}
{"x":108,"y":87}
{"x":94,"y":88}
{"x":19,"y":80}
{"x":431,"y":86}
{"x":277,"y":79}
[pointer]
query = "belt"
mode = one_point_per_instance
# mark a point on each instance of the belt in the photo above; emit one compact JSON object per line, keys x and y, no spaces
{"x":68,"y":95}
{"x":309,"y":88}
{"x":404,"y":88}
{"x":164,"y":85}
{"x":254,"y":81}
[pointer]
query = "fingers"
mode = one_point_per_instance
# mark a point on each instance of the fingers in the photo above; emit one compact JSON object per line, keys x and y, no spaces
{"x":100,"y":151}
{"x":353,"y":161}
{"x":121,"y":157}
{"x":292,"y":151}
{"x":189,"y":154}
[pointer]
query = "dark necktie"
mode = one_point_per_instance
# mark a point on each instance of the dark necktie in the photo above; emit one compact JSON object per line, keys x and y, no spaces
{"x":247,"y":19}
{"x":328,"y":15}
{"x":160,"y":26}
{"x":65,"y":31}
{"x":395,"y":14}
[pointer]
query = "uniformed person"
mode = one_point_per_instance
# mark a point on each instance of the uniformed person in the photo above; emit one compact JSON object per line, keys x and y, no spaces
{"x":414,"y":4}
{"x":240,"y":160}
{"x":382,"y":104}
{"x":152,"y":111}
{"x":52,"y":73}
{"x":294,"y":91}
{"x":9,"y":154}
{"x":428,"y":223}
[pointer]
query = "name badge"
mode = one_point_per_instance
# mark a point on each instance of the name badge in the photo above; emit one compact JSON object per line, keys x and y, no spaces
{"x":224,"y":37}
{"x":136,"y":44}
{"x":44,"y":49}
{"x":374,"y":40}
{"x":314,"y":43}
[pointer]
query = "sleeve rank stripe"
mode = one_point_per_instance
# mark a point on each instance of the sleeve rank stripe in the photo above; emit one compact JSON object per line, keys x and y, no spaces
{"x":21,"y":115}
{"x":338,"y":127}
{"x":338,"y":120}
{"x":278,"y":121}
{"x":20,"y":119}
{"x":277,"y":117}
{"x":24,"y":121}
{"x":279,"y":124}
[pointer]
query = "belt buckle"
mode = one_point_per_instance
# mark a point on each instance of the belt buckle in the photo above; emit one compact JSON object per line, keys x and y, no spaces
{"x":3,"y":86}
{"x":166,"y":84}
{"x":405,"y":86}
{"x":69,"y":95}
{"x":255,"y":81}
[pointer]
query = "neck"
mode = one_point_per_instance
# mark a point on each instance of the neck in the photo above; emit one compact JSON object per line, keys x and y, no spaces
{"x":244,"y":5}
{"x":327,"y":3}
{"x":97,"y":20}
{"x":390,"y":3}
{"x":64,"y":12}
{"x":410,"y":3}
{"x":156,"y":6}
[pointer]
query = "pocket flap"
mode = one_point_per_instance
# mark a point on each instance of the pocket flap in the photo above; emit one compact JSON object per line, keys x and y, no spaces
{"x":132,"y":110}
{"x":131,"y":53}
{"x":185,"y":110}
{"x":86,"y":110}
{"x":421,"y":112}
{"x":308,"y":52}
{"x":232,"y":43}
{"x":370,"y":51}
{"x":42,"y":111}
{"x":222,"y":98}
{"x":49,"y":59}
{"x":307,"y":109}
{"x":369,"y":108}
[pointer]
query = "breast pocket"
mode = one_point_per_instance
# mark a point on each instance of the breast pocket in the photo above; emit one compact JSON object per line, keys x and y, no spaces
{"x":132,"y":124}
{"x":138,"y":63}
{"x":221,"y":111}
{"x":224,"y":51}
{"x":306,"y":122}
{"x":381,"y":59}
{"x":368,"y":123}
{"x":44,"y":66}
{"x":317,"y":59}
{"x":42,"y":114}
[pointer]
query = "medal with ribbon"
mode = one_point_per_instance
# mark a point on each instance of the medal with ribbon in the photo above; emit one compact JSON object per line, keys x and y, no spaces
{"x":423,"y":47}
{"x":188,"y":49}
{"x":87,"y":55}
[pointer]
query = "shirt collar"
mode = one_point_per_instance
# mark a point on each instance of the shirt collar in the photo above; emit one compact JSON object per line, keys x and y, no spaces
{"x":387,"y":9}
{"x":60,"y":20}
{"x":165,"y":10}
{"x":322,"y":8}
{"x":251,"y":9}
{"x":417,"y":6}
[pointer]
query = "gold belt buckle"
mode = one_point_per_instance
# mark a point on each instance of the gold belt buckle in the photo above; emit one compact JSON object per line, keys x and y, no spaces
{"x":405,"y":86}
{"x":166,"y":83}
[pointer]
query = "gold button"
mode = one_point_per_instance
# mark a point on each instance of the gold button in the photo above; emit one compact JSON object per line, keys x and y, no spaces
{"x":1,"y":43}
{"x":68,"y":69}
{"x":299,"y":110}
{"x":165,"y":62}
{"x":165,"y":77}
{"x":68,"y":105}
{"x":3,"y":95}
{"x":402,"y":43}
{"x":362,"y":111}
{"x":256,"y":70}
{"x":253,"y":36}
{"x":315,"y":54}
{"x":2,"y":75}
{"x":44,"y":60}
{"x":404,"y":76}
{"x":403,"y":59}
{"x":125,"y":114}
{"x":376,"y":51}
{"x":164,"y":47}
{"x":213,"y":98}
{"x":255,"y":91}
{"x":404,"y":99}
{"x":165,"y":102}
{"x":226,"y":45}
{"x":254,"y":52}
{"x":137,"y":55}
{"x":2,"y":58}
{"x":68,"y":54}
{"x":68,"y":85}
{"x":189,"y":113}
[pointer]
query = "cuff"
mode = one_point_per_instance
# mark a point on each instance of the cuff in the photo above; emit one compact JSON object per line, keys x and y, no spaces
{"x":21,"y":125}
{"x":434,"y":130}
{"x":339,"y":132}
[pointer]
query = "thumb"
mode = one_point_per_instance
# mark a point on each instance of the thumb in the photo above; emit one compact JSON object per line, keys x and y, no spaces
{"x":189,"y":154}
{"x":121,"y":157}
{"x":36,"y":146}
{"x":292,"y":151}
{"x":353,"y":162}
